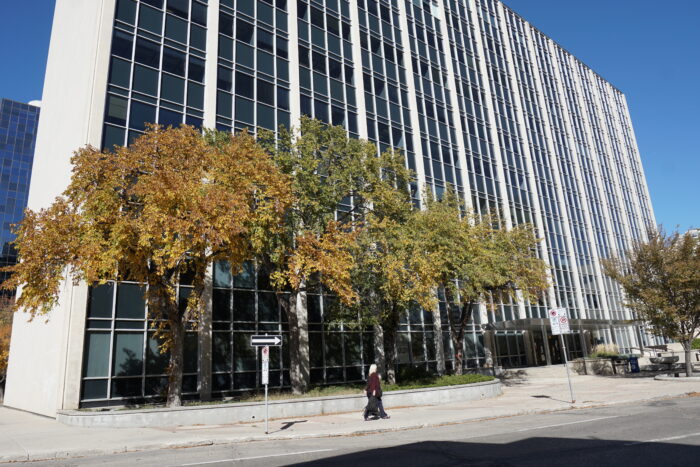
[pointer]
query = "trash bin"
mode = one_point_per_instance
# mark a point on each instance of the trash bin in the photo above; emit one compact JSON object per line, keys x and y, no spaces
{"x":634,"y":364}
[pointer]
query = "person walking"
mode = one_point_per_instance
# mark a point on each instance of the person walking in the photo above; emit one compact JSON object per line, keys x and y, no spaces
{"x":374,"y":389}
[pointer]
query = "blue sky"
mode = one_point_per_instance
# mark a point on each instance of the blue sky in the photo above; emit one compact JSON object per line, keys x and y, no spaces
{"x":650,"y":52}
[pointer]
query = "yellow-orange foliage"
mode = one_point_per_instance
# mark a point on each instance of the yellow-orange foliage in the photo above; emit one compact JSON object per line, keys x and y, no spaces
{"x":170,"y":203}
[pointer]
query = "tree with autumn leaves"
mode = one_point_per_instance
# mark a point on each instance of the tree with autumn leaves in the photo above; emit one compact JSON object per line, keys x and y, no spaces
{"x":327,"y":169}
{"x":409,"y":257}
{"x":174,"y":202}
{"x":474,"y":260}
{"x":167,"y":205}
{"x":661,"y":281}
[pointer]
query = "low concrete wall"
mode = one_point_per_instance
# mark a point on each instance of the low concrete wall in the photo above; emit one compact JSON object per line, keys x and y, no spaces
{"x":593,"y":366}
{"x":247,"y":412}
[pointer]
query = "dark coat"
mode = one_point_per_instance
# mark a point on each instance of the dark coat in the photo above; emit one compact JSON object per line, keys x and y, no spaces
{"x":374,"y":384}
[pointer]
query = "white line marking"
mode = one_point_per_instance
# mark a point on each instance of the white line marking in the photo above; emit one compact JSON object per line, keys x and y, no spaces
{"x":257,"y":457}
{"x":657,"y":440}
{"x":532,"y":428}
{"x":564,"y":424}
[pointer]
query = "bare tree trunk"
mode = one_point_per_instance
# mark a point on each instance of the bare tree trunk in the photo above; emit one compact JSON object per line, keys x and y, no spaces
{"x":205,"y":336}
{"x":455,"y":334}
{"x":458,"y":367}
{"x":688,"y":347}
{"x":298,"y":342}
{"x":379,"y":356}
{"x":161,"y":304}
{"x":177,"y":341}
{"x":439,"y":346}
{"x":389,"y":327}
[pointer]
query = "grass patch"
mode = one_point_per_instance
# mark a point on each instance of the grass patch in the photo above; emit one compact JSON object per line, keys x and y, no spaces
{"x":409,"y":380}
{"x":326,"y":391}
{"x":448,"y":380}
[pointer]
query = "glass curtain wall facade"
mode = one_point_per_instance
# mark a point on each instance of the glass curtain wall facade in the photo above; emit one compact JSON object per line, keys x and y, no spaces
{"x":474,"y":96}
{"x":18,"y":125}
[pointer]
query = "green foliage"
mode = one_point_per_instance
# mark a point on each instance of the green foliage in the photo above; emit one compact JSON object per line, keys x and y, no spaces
{"x":605,"y":351}
{"x":326,"y":168}
{"x":696,"y":344}
{"x":661,"y":279}
{"x":475,"y":260}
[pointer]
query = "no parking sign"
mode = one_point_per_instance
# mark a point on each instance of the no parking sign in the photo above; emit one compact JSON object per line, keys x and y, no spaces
{"x":559,"y":321}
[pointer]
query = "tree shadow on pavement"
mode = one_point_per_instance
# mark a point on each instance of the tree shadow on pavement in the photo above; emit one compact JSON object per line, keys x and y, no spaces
{"x":513,"y":377}
{"x":528,"y":452}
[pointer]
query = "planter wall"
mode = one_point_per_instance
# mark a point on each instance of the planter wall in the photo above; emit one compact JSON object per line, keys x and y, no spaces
{"x":254,"y":411}
{"x":593,"y":366}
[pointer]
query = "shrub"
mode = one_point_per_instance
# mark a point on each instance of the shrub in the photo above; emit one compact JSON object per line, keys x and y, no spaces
{"x":605,"y":351}
{"x":696,"y":344}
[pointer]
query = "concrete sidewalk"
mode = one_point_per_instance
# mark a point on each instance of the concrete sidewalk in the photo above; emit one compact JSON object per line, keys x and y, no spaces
{"x":25,"y":436}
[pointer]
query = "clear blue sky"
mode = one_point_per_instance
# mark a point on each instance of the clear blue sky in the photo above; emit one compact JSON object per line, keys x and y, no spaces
{"x":649,"y":51}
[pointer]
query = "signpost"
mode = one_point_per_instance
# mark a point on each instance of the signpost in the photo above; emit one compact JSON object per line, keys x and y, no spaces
{"x":265,"y":342}
{"x":266,"y":379}
{"x":559,"y":322}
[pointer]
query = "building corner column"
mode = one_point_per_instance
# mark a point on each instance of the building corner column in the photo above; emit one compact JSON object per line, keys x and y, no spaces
{"x":74,"y":339}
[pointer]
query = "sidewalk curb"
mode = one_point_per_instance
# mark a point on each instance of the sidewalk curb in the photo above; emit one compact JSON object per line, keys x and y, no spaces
{"x":151,"y":446}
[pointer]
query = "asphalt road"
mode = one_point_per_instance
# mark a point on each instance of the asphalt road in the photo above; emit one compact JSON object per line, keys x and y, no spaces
{"x":659,"y":433}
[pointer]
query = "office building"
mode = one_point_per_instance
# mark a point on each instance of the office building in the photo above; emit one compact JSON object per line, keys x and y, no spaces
{"x":18,"y":124}
{"x":472,"y":93}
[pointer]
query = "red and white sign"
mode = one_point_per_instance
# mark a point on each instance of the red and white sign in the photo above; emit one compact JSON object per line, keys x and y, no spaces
{"x":265,"y":365}
{"x":559,"y":321}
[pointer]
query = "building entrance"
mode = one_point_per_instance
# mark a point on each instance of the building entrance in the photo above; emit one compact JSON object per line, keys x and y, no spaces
{"x":547,"y":348}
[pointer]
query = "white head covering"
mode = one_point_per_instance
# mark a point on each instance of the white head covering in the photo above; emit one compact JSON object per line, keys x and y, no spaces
{"x":372,"y":368}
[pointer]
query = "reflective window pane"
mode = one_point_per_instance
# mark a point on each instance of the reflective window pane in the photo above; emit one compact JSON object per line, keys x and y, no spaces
{"x":196,"y":69}
{"x":128,"y":354}
{"x":169,"y":118}
{"x":120,"y":72}
{"x":147,"y":52}
{"x":195,"y":95}
{"x":126,"y":11}
{"x":130,"y":301}
{"x":151,"y":20}
{"x":173,"y":61}
{"x":176,"y":29}
{"x":96,"y":354}
{"x":141,"y":114}
{"x":145,"y":80}
{"x":121,"y":44}
{"x":198,"y":37}
{"x":172,"y":88}
{"x":116,"y":110}
{"x":101,"y":301}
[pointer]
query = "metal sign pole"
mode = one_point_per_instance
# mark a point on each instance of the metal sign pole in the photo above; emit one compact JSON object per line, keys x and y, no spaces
{"x":267,"y":414}
{"x":566,"y":364}
{"x":265,"y":381}
{"x":559,"y":323}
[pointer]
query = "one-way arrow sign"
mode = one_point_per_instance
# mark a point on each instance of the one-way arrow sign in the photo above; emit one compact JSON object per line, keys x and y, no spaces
{"x":258,"y":341}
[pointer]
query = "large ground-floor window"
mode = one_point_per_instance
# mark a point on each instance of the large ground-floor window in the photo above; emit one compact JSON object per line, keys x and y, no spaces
{"x":122,"y":362}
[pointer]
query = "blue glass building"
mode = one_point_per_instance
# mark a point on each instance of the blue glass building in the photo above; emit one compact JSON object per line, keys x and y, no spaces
{"x":18,"y":128}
